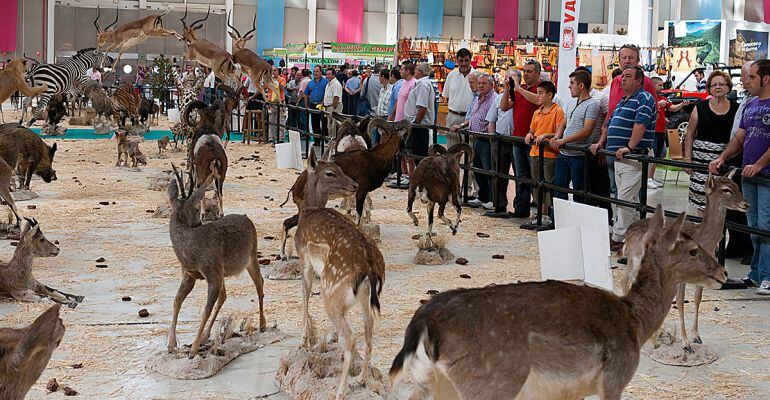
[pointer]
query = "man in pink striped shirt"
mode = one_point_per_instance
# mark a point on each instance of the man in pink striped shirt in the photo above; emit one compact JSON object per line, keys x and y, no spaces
{"x":407,"y":72}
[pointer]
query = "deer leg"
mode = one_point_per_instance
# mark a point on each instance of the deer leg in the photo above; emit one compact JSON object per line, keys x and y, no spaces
{"x":259,"y":283}
{"x":430,"y":222}
{"x":5,"y":184}
{"x":188,"y":282}
{"x":220,"y":300}
{"x":680,"y":307}
{"x":287,"y":225}
{"x":409,"y":204}
{"x":698,"y":297}
{"x":215,"y":288}
{"x":336,"y":314}
{"x":30,"y":170}
{"x":69,"y":300}
{"x":360,"y":200}
{"x":366,"y":313}
{"x":220,"y":194}
{"x":445,"y":220}
{"x":308,"y":274}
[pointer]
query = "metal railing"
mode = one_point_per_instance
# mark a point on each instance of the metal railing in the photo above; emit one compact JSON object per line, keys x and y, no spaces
{"x":497,"y":142}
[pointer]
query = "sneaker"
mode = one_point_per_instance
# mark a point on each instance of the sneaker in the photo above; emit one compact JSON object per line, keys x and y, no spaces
{"x":488,"y":206}
{"x":657,"y":182}
{"x":764,"y":288}
{"x":653,"y":184}
{"x":547,"y":221}
{"x":404,"y":180}
{"x":475,"y":203}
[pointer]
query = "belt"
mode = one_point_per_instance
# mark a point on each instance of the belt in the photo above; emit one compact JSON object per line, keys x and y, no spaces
{"x":462,"y":114}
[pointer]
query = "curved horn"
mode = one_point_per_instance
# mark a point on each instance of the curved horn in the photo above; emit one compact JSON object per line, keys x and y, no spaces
{"x":178,"y":176}
{"x":117,"y":12}
{"x":377,"y":123}
{"x":96,"y":21}
{"x":232,"y":27}
{"x":184,"y":17}
{"x":202,"y":19}
{"x":253,"y":26}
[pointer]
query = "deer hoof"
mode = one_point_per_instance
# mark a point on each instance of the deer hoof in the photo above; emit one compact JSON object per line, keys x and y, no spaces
{"x":698,"y":340}
{"x":687,"y":349}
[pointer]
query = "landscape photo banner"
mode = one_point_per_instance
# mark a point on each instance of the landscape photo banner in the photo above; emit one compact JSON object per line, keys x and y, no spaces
{"x":705,"y":36}
{"x":748,"y":46}
{"x":569,"y":16}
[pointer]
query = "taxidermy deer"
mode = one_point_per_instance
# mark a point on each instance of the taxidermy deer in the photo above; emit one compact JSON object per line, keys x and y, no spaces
{"x":210,"y":160}
{"x":25,"y":352}
{"x":16,"y":276}
{"x":130,"y":34}
{"x":12,"y":80}
{"x":437,"y":180}
{"x":211,"y":251}
{"x":722,"y":194}
{"x":253,"y":65}
{"x":491,"y":343}
{"x":349,"y":264}
{"x":205,"y":52}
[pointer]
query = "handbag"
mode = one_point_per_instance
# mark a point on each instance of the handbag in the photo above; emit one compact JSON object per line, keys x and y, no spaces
{"x":364,"y":108}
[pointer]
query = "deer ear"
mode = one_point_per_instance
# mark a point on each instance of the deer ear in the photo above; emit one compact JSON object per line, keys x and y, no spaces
{"x":173,"y":189}
{"x":232,"y":35}
{"x":710,"y":182}
{"x":311,"y":161}
{"x":40,"y":333}
{"x":247,"y":38}
{"x":672,"y":232}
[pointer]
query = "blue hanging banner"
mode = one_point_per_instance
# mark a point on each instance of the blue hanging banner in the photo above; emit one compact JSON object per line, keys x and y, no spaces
{"x":710,"y":9}
{"x":269,"y":24}
{"x":430,"y":18}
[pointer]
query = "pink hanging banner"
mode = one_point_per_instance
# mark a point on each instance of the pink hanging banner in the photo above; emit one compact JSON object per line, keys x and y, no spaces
{"x":350,"y":25}
{"x":506,"y":19}
{"x":767,"y":11}
{"x":8,"y":24}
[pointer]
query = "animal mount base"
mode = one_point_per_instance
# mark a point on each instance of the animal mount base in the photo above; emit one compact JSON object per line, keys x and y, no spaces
{"x":211,"y":360}
{"x":432,"y":251}
{"x":313,"y":374}
{"x":666,"y":349}
{"x":285,"y":270}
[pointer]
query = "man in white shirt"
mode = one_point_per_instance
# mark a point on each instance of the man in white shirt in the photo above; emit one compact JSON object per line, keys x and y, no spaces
{"x":332,"y":98}
{"x":420,"y":109}
{"x":458,"y":93}
{"x":501,"y":123}
{"x":209,"y":84}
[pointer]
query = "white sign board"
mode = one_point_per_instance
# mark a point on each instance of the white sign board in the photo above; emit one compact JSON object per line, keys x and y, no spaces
{"x":570,"y":14}
{"x":581,"y":237}
{"x":289,"y":155}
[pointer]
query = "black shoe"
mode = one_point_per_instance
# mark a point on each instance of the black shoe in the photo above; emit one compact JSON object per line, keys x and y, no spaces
{"x":498,"y":214}
{"x":623,"y":260}
{"x":734,"y":283}
{"x":520,"y":215}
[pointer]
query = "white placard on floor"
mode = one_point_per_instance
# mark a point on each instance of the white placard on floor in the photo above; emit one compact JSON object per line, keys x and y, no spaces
{"x":592,"y":243}
{"x":296,"y":142}
{"x":561,"y":257}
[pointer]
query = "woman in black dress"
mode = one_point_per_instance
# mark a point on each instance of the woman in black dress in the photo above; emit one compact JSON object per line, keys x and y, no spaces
{"x":708,"y":133}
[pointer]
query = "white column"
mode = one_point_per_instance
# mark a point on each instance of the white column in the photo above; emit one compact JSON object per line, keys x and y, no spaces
{"x":639,"y":22}
{"x":231,"y":19}
{"x":312,"y":7}
{"x":50,"y":50}
{"x":676,"y":10}
{"x":467,"y":18}
{"x":610,"y":17}
{"x":541,"y":12}
{"x":655,"y":22}
{"x":391,"y":28}
{"x":142,"y":4}
{"x":739,"y":10}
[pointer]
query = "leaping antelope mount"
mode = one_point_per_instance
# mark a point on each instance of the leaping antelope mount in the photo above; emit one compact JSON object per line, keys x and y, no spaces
{"x":348,"y":262}
{"x":130,"y":34}
{"x":205,"y":52}
{"x":254,"y":66}
{"x":550,"y":340}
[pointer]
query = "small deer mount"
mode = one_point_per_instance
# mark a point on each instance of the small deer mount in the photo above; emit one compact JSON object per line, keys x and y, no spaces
{"x":597,"y":29}
{"x":622,"y":32}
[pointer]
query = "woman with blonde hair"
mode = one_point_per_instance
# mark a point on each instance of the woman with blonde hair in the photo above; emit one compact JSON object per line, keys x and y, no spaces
{"x":708,"y":133}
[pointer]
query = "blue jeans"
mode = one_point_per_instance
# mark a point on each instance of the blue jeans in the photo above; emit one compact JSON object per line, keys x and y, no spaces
{"x":521,"y":166}
{"x":757,"y":193}
{"x":569,"y":168}
{"x":482,"y":158}
{"x":209,"y":96}
{"x":611,"y":172}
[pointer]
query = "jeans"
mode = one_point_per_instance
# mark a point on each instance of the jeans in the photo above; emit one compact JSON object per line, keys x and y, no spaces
{"x":482,"y":158}
{"x":209,"y":97}
{"x":599,"y":183}
{"x":628,"y":176}
{"x":569,"y":168}
{"x":503,"y":166}
{"x":757,"y":193}
{"x":523,"y":200}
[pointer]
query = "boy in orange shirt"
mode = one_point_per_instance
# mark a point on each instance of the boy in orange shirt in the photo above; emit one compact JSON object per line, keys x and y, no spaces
{"x":544,"y":123}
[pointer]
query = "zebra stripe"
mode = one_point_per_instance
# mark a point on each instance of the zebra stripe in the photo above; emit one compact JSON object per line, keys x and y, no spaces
{"x":60,"y":77}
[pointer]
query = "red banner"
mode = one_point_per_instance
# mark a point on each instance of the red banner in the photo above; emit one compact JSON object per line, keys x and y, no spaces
{"x":8,"y":25}
{"x":350,"y":25}
{"x":506,"y":19}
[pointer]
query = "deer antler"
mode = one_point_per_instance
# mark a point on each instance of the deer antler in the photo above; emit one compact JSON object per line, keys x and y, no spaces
{"x":184,"y":24}
{"x":253,"y":26}
{"x":178,"y":178}
{"x":96,"y":21}
{"x":232,"y":27}
{"x":117,"y":12}
{"x":201,"y":20}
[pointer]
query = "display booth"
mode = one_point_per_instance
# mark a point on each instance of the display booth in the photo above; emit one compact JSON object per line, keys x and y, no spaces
{"x":333,"y":54}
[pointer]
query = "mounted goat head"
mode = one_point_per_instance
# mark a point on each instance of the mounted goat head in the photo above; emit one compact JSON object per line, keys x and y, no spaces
{"x":129,"y":34}
{"x":205,"y":52}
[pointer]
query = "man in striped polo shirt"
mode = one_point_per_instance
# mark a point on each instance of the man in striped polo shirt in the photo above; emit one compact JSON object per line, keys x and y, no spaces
{"x":631,"y":129}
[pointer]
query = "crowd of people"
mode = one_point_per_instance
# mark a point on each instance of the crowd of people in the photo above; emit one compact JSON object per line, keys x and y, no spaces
{"x":627,"y":117}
